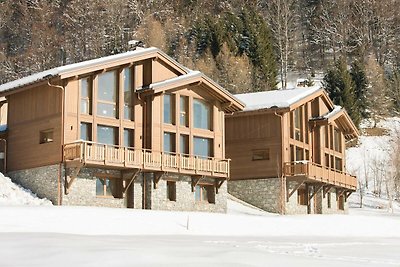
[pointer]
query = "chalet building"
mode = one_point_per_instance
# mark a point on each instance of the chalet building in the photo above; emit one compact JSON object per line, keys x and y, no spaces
{"x":134,"y":130}
{"x":288,"y":152}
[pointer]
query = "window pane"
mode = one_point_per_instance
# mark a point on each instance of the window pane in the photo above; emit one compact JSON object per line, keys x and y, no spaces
{"x":99,"y":187}
{"x":128,"y":137}
{"x":203,"y":147}
{"x":109,"y":188}
{"x":86,"y":96}
{"x":127,"y":93}
{"x":197,"y":193}
{"x":86,"y":131}
{"x":169,"y":105}
{"x":169,"y":142}
{"x":184,"y":144}
{"x":184,"y":111}
{"x":107,"y":110}
{"x":106,"y":135}
{"x":202,"y":114}
{"x":108,"y":86}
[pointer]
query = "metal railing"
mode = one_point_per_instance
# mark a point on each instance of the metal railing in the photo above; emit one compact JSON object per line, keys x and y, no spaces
{"x":321,"y":173}
{"x":112,"y":155}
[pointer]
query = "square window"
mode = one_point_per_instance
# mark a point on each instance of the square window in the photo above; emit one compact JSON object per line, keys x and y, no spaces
{"x":262,"y":154}
{"x":204,"y":193}
{"x":105,"y":187}
{"x":46,"y":136}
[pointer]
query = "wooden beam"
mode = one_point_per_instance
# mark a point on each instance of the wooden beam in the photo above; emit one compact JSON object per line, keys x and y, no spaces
{"x":195,"y":181}
{"x":133,"y":177}
{"x":72,"y":176}
{"x":326,"y":189}
{"x":157,"y":178}
{"x":300,"y":183}
{"x":218,"y":184}
{"x":316,"y":190}
{"x":348,"y":193}
{"x":341,"y":192}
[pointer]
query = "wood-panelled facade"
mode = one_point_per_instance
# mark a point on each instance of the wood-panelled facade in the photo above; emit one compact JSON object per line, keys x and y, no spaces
{"x":302,"y":143}
{"x":110,"y":115}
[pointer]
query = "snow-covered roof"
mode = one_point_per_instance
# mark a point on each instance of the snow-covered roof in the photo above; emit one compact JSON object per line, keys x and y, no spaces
{"x":44,"y":75}
{"x":330,"y":114}
{"x":276,"y":98}
{"x":190,"y":75}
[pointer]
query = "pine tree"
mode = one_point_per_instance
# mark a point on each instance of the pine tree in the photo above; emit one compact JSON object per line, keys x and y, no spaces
{"x":360,"y":80}
{"x":340,"y":86}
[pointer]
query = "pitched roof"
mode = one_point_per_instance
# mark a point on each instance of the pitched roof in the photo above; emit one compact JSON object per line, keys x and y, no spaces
{"x":231,"y":103}
{"x":276,"y":98}
{"x":72,"y":69}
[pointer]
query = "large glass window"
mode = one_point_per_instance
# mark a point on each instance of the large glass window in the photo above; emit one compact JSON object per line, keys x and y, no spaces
{"x":86,"y":131}
{"x":169,"y":109}
{"x":107,"y":102}
{"x":128,"y":138}
{"x":201,"y":114}
{"x":128,"y":114}
{"x":107,"y":135}
{"x":169,"y":142}
{"x":203,"y":146}
{"x":86,"y":95}
{"x":184,"y":107}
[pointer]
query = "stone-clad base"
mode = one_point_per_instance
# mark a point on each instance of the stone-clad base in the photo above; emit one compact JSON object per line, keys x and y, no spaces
{"x":43,"y":181}
{"x":266,"y":194}
{"x":142,"y":193}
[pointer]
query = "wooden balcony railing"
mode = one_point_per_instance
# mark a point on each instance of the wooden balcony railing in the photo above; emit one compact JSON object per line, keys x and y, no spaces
{"x":317,"y":172}
{"x":90,"y":153}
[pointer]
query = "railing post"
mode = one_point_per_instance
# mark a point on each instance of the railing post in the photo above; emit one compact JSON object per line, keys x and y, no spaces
{"x":105,"y":154}
{"x":84,"y":152}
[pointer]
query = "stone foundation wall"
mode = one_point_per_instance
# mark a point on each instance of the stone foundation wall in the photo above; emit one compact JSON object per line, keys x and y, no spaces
{"x":185,"y":200}
{"x":292,"y":206}
{"x":42,"y":181}
{"x":334,"y":208}
{"x":83,"y":190}
{"x":262,"y":193}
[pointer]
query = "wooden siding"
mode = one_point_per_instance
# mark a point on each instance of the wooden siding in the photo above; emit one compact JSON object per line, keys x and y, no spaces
{"x":245,"y":135}
{"x":29,"y":113}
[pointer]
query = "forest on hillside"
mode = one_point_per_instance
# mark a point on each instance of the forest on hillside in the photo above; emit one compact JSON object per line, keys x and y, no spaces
{"x":245,"y":45}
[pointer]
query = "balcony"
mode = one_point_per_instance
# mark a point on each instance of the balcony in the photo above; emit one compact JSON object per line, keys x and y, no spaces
{"x":316,"y":172}
{"x":100,"y":155}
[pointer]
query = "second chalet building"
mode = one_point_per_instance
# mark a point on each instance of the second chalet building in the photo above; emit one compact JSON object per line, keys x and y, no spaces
{"x":288,"y":152}
{"x":134,"y":130}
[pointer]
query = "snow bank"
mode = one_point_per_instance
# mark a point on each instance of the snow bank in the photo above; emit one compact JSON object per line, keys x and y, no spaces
{"x":107,"y":221}
{"x":12,"y":194}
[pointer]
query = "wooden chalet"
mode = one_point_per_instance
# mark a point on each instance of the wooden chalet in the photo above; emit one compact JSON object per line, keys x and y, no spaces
{"x":289,"y":146}
{"x":117,"y":127}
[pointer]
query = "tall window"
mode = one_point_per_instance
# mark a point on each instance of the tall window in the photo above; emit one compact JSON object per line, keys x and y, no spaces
{"x":107,"y":135}
{"x":302,"y":196}
{"x":128,"y":138}
{"x":171,"y":190}
{"x":201,"y":114}
{"x":86,"y":131}
{"x":128,"y":114}
{"x":184,"y":144}
{"x":184,"y":108}
{"x":298,"y":124}
{"x":107,"y":102}
{"x":86,"y":95}
{"x":338,"y":164}
{"x":169,"y":109}
{"x":169,"y":142}
{"x":203,"y":146}
{"x":338,"y":140}
{"x":299,"y":153}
